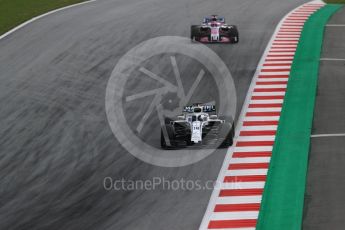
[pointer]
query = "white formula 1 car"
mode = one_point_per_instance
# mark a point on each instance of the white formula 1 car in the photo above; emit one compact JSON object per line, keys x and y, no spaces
{"x":199,"y":124}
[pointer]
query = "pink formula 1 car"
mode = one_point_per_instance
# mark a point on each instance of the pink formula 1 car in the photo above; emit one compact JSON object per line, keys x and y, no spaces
{"x":214,"y":30}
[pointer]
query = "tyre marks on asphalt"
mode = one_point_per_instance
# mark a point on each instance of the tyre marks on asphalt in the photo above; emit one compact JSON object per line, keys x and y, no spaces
{"x":237,"y":202}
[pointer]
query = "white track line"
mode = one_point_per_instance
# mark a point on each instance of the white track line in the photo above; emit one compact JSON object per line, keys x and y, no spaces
{"x":332,"y":59}
{"x":336,"y":25}
{"x":41,"y":16}
{"x":328,"y":135}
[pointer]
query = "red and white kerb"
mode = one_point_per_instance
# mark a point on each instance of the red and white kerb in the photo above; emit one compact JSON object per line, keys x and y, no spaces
{"x":236,"y":204}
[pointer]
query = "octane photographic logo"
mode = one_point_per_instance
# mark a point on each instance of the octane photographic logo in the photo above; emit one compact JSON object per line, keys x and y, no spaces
{"x":152,"y":83}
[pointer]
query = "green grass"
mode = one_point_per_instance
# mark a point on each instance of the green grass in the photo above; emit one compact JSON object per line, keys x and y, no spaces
{"x":15,"y":12}
{"x":335,"y":1}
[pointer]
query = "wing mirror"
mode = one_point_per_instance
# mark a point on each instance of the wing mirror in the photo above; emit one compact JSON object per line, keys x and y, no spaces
{"x":181,"y":117}
{"x":213,"y":117}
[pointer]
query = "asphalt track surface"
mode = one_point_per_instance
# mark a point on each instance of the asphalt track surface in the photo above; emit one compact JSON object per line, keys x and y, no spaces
{"x":324,"y":200}
{"x":56,"y":145}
